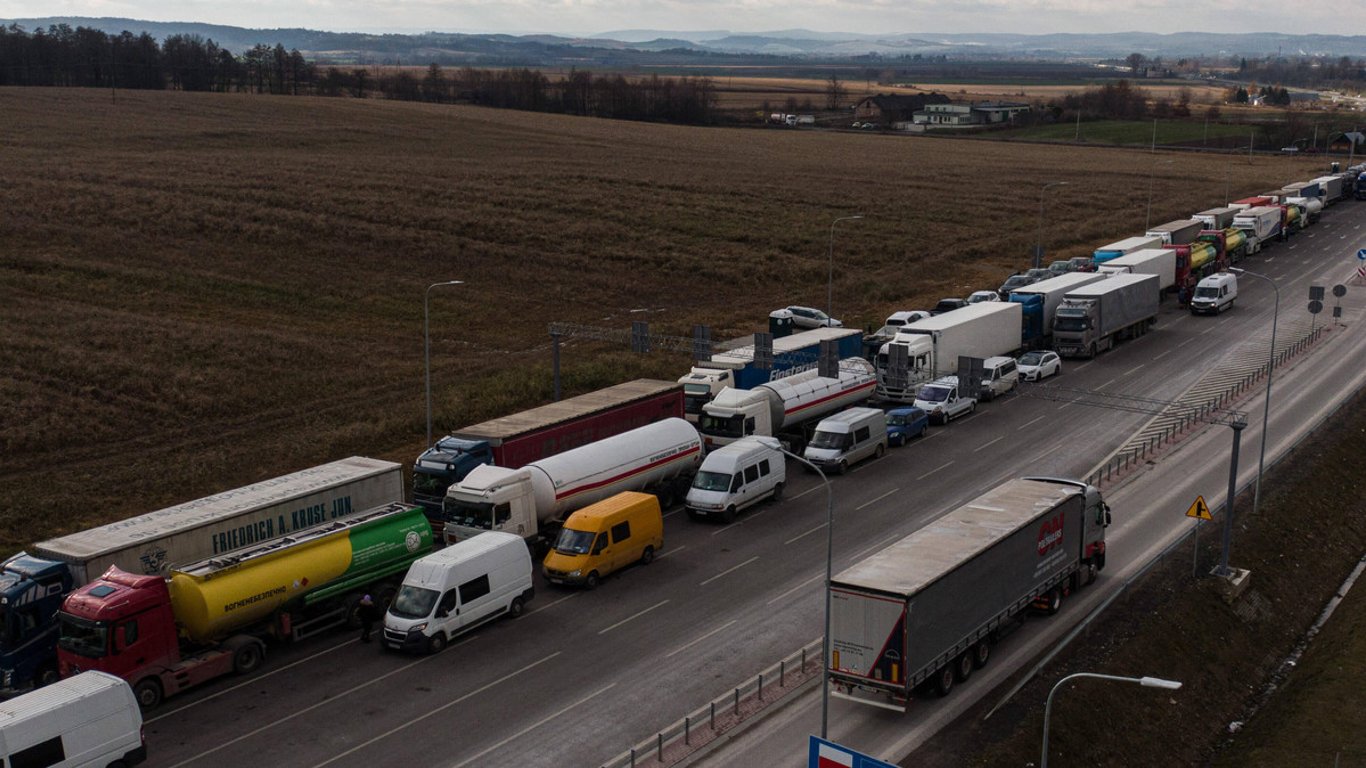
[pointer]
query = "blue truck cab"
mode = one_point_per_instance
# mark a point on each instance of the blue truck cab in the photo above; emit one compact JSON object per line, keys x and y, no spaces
{"x":1032,"y":328}
{"x":444,"y":465}
{"x":31,"y":592}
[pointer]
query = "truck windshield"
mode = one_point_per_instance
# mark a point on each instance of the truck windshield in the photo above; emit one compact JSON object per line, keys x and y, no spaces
{"x":711,"y":481}
{"x":721,"y":426}
{"x":83,"y":637}
{"x":430,"y":485}
{"x":1070,"y":322}
{"x":693,"y":403}
{"x":468,"y":514}
{"x":413,"y":602}
{"x":830,"y":440}
{"x":572,"y":542}
{"x":933,"y":394}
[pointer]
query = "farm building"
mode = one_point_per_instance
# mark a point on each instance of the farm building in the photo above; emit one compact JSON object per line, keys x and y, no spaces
{"x":968,"y":115}
{"x":887,"y":109}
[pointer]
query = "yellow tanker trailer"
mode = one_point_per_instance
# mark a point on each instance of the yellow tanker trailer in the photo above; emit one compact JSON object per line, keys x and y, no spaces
{"x":212,"y":617}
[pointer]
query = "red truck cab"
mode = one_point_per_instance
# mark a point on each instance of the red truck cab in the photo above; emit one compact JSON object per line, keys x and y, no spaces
{"x":122,"y":624}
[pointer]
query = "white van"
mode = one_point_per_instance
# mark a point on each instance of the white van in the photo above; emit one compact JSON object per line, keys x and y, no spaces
{"x":457,"y":588}
{"x":1215,"y":293}
{"x":91,"y":719}
{"x":999,"y":376}
{"x":848,"y":437}
{"x":736,"y":476}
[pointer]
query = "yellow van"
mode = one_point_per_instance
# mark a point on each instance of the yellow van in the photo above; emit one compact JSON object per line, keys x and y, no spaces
{"x":605,"y":537}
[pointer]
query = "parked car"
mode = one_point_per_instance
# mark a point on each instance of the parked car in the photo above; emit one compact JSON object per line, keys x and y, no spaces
{"x":906,"y":317}
{"x":1062,"y":267}
{"x":1038,"y":365}
{"x":1082,"y":264}
{"x":809,"y":317}
{"x":948,"y":305}
{"x":1014,"y":283}
{"x":1039,"y":273}
{"x":906,"y":423}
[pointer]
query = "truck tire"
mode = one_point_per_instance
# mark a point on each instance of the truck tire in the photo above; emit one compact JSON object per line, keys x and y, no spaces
{"x":943,"y":680}
{"x":648,"y":556}
{"x":1054,"y":601}
{"x":436,"y":643}
{"x":778,"y":492}
{"x":981,"y":653}
{"x":247,"y":658}
{"x":1091,"y":572}
{"x":148,"y":693}
{"x":592,"y":581}
{"x":962,"y":667}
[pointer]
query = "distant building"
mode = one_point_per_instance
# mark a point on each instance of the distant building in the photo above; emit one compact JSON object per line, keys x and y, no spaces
{"x":1354,"y":141}
{"x":888,"y":109}
{"x":968,"y":115}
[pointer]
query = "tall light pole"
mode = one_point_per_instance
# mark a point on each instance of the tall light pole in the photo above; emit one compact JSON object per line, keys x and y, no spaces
{"x":1146,"y":682}
{"x":1270,"y":366}
{"x":427,"y":349}
{"x":830,"y":285}
{"x":1038,"y":233}
{"x":774,"y":443}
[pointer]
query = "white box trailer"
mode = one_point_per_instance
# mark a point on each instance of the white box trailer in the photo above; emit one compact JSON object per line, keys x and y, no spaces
{"x":1153,"y":261}
{"x":933,"y":345}
{"x":200,"y":529}
{"x":927,"y":608}
{"x":1331,"y":187}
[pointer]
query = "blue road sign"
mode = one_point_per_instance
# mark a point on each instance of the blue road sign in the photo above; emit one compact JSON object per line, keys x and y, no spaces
{"x":1361,"y":254}
{"x":828,"y":754}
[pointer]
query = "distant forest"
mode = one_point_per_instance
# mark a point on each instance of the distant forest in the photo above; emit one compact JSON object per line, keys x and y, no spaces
{"x":90,"y":58}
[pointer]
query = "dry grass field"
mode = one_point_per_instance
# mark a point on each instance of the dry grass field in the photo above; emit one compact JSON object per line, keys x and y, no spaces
{"x":204,"y":290}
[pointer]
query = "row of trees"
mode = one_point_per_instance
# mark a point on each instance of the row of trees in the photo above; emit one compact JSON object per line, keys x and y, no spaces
{"x":84,"y":57}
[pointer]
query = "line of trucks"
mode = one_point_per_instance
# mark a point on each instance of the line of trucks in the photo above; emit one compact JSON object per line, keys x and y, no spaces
{"x":174,"y":598}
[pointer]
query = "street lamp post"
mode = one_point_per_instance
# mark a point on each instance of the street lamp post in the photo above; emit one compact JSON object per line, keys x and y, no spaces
{"x":830,"y":284}
{"x":1038,"y":233}
{"x":427,"y":350}
{"x":1146,"y":682}
{"x":1270,"y":366}
{"x":774,"y":443}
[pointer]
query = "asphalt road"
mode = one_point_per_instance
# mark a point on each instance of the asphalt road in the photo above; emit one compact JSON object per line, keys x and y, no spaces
{"x":585,"y":674}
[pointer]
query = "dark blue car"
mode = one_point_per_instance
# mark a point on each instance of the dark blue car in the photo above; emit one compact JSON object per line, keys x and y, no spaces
{"x":906,"y":423}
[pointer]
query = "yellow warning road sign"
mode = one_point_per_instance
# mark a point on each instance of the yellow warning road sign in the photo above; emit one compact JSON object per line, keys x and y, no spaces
{"x":1199,"y":509}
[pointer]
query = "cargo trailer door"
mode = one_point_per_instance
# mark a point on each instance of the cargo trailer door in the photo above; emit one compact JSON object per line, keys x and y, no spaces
{"x":868,"y":642}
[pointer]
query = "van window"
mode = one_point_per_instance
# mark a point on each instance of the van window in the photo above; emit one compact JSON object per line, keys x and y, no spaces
{"x":40,"y":755}
{"x":600,"y":544}
{"x":737,"y":481}
{"x":1008,"y":368}
{"x":860,"y":434}
{"x":751,"y":473}
{"x":447,"y":603}
{"x":621,"y":532}
{"x":763,"y":468}
{"x":474,"y":589}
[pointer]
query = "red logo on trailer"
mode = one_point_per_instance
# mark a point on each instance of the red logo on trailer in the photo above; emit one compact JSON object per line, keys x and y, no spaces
{"x":1050,"y":534}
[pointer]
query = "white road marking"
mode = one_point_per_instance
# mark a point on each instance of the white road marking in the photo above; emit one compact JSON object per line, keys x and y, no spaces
{"x":874,"y":501}
{"x":988,"y":444}
{"x":662,"y":555}
{"x":536,"y":724}
{"x":812,"y":489}
{"x":637,"y":615}
{"x":683,"y":648}
{"x":1106,"y":384}
{"x":1083,"y":365}
{"x":1184,"y":343}
{"x":1031,"y":421}
{"x":554,"y":603}
{"x":1155,"y":357}
{"x":808,"y":533}
{"x":1135,"y":369}
{"x":728,"y":570}
{"x":936,"y":469}
{"x":817,"y":577}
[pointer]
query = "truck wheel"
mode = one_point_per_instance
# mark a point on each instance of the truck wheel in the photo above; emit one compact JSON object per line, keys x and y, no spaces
{"x":148,"y":693}
{"x":778,"y":492}
{"x":962,"y":667}
{"x":943,"y":681}
{"x":1091,"y":571}
{"x":593,"y":580}
{"x":517,"y":607}
{"x":980,"y":653}
{"x":436,"y":643}
{"x":1054,"y":599}
{"x":648,"y":556}
{"x":247,"y":659}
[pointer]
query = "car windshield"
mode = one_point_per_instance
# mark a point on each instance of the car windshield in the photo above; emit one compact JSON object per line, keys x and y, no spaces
{"x":721,"y":426}
{"x":1031,"y":358}
{"x":1207,"y":292}
{"x":896,"y":419}
{"x":572,"y":542}
{"x":830,"y":440}
{"x":413,"y":602}
{"x":933,"y":394}
{"x":83,"y":637}
{"x":711,"y":481}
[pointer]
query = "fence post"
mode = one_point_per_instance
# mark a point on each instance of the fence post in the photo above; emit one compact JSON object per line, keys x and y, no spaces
{"x":761,"y":686}
{"x":782,"y":673}
{"x":737,"y":701}
{"x":633,"y":757}
{"x":713,"y":715}
{"x":687,"y":730}
{"x":659,"y":746}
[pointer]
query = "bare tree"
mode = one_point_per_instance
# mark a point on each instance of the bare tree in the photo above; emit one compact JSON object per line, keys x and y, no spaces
{"x":834,"y":93}
{"x":1135,"y":61}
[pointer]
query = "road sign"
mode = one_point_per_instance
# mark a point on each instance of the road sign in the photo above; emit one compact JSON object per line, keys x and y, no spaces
{"x":1361,"y":271}
{"x":1339,"y":290}
{"x":1361,"y":254}
{"x":1316,"y":293}
{"x":1199,"y":510}
{"x":1315,"y":307}
{"x":828,"y":754}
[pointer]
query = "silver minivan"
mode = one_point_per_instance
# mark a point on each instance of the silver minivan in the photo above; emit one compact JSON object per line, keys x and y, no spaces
{"x":736,"y":476}
{"x":457,"y":588}
{"x":847,"y":438}
{"x":1000,"y":375}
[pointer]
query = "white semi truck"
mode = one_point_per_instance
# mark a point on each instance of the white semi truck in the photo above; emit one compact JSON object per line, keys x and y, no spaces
{"x":787,"y":408}
{"x":1152,"y":261}
{"x":932,"y":346}
{"x":534,"y":500}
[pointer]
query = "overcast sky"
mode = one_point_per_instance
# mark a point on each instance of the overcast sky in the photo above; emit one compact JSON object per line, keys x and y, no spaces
{"x":586,"y":17}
